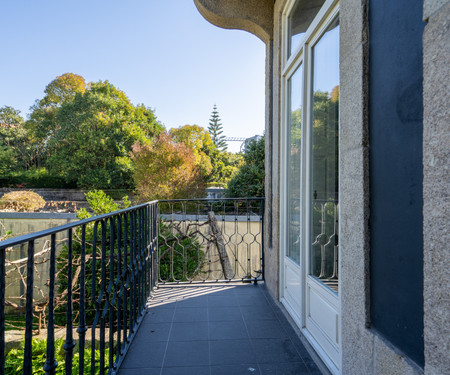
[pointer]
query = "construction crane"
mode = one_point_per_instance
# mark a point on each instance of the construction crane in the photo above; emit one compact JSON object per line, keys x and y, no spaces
{"x":236,"y":139}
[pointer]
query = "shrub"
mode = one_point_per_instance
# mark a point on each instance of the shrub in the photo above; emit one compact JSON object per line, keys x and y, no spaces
{"x":14,"y":359}
{"x":22,"y":201}
{"x":99,"y":203}
{"x":34,"y":178}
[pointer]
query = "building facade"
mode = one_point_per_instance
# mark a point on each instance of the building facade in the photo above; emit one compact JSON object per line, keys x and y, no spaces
{"x":357,"y":175}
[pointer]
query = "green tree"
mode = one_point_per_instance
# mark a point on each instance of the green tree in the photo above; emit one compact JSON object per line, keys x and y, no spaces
{"x":224,"y":166}
{"x":215,"y":130}
{"x":249,"y":180}
{"x":61,"y":90}
{"x":43,"y":124}
{"x":96,"y":132}
{"x":17,"y":150}
{"x":10,"y":116}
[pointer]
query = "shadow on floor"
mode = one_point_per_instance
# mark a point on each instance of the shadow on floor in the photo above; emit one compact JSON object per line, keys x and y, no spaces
{"x":216,"y":330}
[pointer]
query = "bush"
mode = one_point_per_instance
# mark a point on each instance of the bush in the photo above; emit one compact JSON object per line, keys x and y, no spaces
{"x":99,"y":203}
{"x":22,"y":201}
{"x":35,"y":178}
{"x":249,"y":180}
{"x":14,"y":359}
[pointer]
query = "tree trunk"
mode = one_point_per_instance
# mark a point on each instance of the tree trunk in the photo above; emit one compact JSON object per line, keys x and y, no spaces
{"x":218,"y":240}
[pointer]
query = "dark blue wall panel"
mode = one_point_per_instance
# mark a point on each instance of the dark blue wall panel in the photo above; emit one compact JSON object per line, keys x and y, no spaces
{"x":396,"y":127}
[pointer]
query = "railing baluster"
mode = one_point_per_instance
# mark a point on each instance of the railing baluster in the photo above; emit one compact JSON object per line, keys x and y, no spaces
{"x":69,"y":343}
{"x":50,"y":362}
{"x":2,"y":308}
{"x":82,"y":328}
{"x":132,"y":275}
{"x":126,"y":279}
{"x":119,"y":295}
{"x":94,"y":299}
{"x":110,"y":294}
{"x":27,"y":366}
{"x":101,"y":296}
{"x":120,"y":287}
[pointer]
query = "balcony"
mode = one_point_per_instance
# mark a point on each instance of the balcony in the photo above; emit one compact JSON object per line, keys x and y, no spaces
{"x":168,"y":287}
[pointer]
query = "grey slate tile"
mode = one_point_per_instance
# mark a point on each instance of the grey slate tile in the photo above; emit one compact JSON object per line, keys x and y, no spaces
{"x":275,"y":351}
{"x":159,"y":315}
{"x":226,"y":313}
{"x":187,"y":353}
{"x":218,"y":300}
{"x":189,"y":331}
{"x":231,"y":352}
{"x":142,"y":355}
{"x":231,"y":330}
{"x":153,"y":332}
{"x":185,"y":370}
{"x":141,"y":371}
{"x":190,"y":314}
{"x":244,"y":369}
{"x":251,"y":300}
{"x":199,"y":301}
{"x":295,"y":368}
{"x":265,"y":329}
{"x":257,"y":313}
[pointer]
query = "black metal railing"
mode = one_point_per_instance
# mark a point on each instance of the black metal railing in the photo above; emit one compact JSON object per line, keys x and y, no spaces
{"x":79,"y":291}
{"x":100,"y":275}
{"x":203,"y":240}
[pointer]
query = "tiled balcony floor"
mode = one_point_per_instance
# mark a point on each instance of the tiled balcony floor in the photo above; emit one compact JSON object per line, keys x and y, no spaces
{"x":216,"y":330}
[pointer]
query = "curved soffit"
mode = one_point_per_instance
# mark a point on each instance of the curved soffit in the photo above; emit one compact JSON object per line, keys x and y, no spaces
{"x":254,"y":16}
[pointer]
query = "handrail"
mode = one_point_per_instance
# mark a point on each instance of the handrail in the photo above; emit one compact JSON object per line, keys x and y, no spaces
{"x":47,"y":232}
{"x":104,"y":270}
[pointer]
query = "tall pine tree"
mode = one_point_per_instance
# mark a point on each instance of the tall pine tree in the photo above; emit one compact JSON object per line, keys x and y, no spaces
{"x":215,"y":130}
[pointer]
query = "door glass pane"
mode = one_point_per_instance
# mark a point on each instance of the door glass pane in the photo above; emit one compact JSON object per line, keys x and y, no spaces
{"x":324,"y":158}
{"x":300,"y":18}
{"x":294,"y":133}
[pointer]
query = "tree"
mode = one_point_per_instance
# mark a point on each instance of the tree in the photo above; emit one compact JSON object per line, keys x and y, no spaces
{"x":224,"y":166}
{"x":10,"y":116}
{"x":63,"y":89}
{"x":16,"y":148}
{"x":215,"y":130}
{"x":166,"y":169}
{"x":97,"y":130}
{"x":42,"y":123}
{"x":198,"y":140}
{"x":249,"y":180}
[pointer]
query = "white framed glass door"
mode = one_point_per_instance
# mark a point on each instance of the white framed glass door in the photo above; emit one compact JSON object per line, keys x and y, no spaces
{"x":310,"y":159}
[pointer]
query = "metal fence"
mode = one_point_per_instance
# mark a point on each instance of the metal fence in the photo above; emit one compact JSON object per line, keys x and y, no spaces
{"x":204,"y":240}
{"x":101,"y":275}
{"x":84,"y":285}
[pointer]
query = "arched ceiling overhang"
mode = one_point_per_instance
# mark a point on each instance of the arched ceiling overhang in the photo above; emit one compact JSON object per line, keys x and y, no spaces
{"x":254,"y":16}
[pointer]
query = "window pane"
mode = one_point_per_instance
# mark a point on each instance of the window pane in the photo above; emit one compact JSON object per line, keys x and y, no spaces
{"x":295,"y":85}
{"x":301,"y":16}
{"x":324,"y":158}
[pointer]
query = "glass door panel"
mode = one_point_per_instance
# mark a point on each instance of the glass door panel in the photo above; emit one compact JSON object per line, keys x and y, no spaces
{"x":294,"y":161}
{"x":324,"y":158}
{"x":301,"y":16}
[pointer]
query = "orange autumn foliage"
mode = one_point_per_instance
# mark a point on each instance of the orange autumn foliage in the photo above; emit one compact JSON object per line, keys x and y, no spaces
{"x":166,"y":169}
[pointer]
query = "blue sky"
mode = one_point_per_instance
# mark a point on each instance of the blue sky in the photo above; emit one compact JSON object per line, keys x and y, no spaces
{"x":159,"y":52}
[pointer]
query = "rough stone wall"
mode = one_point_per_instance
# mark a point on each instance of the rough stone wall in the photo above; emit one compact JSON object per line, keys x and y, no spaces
{"x":254,"y":16}
{"x":436,"y":164}
{"x":357,"y":341}
{"x":272,"y":256}
{"x":363,"y":351}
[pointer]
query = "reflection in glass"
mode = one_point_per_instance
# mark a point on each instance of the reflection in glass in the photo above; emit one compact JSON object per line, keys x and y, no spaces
{"x":300,"y":18}
{"x":294,"y":133}
{"x":324,"y":158}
